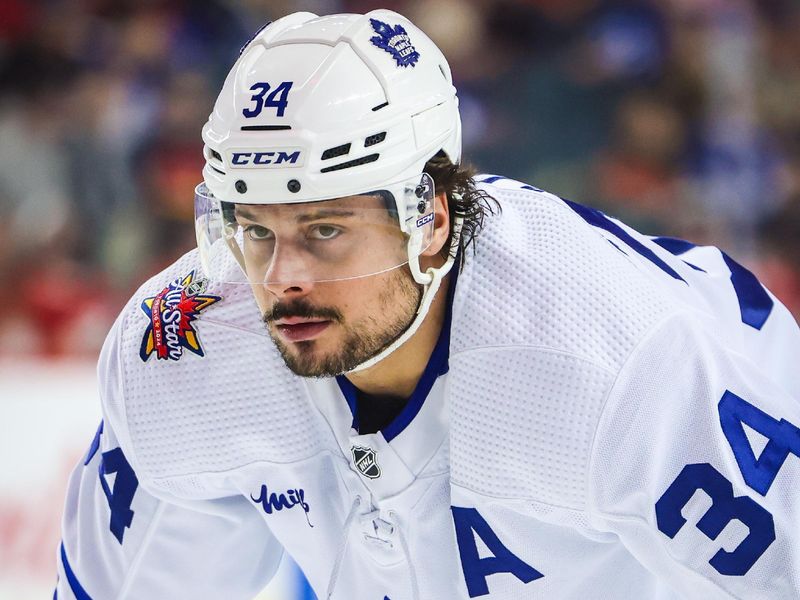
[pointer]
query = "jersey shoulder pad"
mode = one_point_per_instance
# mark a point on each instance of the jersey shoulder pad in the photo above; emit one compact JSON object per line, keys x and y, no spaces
{"x":545,"y":315}
{"x":542,"y":277}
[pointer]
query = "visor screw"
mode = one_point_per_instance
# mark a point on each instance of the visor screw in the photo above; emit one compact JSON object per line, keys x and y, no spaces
{"x":293,"y":186}
{"x":419,"y":191}
{"x":240,"y":186}
{"x":421,"y":205}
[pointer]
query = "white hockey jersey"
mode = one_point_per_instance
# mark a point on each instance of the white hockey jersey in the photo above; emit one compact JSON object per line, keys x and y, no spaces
{"x":606,"y":416}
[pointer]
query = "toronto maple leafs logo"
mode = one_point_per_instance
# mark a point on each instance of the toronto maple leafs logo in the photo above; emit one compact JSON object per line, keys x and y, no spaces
{"x":171,"y":313}
{"x":396,"y":42}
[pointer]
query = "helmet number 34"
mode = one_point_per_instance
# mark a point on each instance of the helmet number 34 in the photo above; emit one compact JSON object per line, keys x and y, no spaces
{"x":277,"y":98}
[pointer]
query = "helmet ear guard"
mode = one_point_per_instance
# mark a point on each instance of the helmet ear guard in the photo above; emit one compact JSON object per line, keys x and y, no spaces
{"x":317,"y":108}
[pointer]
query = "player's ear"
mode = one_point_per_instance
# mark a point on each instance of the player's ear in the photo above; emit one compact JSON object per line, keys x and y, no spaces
{"x":441,"y":227}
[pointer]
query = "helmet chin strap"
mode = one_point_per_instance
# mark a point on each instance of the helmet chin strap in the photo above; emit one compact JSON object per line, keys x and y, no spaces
{"x":431,"y":280}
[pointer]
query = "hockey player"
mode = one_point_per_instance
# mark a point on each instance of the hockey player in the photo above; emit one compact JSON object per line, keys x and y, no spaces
{"x":573,"y":411}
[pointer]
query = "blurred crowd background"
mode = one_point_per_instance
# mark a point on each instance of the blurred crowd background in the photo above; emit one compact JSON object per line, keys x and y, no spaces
{"x":681,"y":117}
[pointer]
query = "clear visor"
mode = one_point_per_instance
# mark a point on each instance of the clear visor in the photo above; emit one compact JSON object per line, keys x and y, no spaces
{"x":326,"y":240}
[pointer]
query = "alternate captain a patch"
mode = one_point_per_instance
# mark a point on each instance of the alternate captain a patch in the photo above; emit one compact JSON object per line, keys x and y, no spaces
{"x":172,"y":312}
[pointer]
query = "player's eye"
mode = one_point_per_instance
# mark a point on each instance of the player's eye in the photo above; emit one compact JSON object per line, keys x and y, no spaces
{"x":324,"y":232}
{"x":258,"y":233}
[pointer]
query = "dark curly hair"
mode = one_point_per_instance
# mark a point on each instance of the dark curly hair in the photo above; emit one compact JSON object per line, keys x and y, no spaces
{"x":464,"y":199}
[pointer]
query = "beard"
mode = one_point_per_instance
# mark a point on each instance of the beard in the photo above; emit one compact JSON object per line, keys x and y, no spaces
{"x":364,"y":337}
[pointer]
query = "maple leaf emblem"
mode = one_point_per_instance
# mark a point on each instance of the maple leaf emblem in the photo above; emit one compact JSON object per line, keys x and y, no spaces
{"x":395,"y":41}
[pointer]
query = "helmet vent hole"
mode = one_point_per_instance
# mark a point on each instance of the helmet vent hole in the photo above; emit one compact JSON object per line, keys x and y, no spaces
{"x":215,"y":154}
{"x":374,"y":139}
{"x":265,"y":127}
{"x":351,"y":163}
{"x":217,"y":170}
{"x":337,"y":151}
{"x":380,"y":106}
{"x":444,"y":73}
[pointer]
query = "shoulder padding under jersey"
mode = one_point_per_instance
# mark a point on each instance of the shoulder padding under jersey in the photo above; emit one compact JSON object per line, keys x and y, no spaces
{"x":194,"y":385}
{"x":546,"y":312}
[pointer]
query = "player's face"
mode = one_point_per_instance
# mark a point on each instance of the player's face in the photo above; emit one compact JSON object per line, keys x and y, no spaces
{"x":325,"y":328}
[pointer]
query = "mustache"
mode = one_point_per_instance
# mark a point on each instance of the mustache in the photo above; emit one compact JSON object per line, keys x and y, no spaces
{"x":300,"y":308}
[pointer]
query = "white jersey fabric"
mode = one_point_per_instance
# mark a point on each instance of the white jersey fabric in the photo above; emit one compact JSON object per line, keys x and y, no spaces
{"x":613,"y":416}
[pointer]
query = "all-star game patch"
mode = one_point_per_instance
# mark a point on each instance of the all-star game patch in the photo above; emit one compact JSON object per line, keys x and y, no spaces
{"x":171,"y":313}
{"x":395,"y":41}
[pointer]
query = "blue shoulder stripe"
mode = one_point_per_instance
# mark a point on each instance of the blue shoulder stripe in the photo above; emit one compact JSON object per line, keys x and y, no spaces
{"x":755,"y":304}
{"x":598,"y":219}
{"x":493,"y":178}
{"x":74,"y":584}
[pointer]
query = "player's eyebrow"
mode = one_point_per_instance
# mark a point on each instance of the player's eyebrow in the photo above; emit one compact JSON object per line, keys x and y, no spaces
{"x":323,"y":213}
{"x":243,"y":212}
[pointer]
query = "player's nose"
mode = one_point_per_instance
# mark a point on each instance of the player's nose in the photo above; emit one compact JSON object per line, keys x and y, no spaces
{"x":289,"y":272}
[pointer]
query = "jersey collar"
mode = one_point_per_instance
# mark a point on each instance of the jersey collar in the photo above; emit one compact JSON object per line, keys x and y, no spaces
{"x":438,"y":364}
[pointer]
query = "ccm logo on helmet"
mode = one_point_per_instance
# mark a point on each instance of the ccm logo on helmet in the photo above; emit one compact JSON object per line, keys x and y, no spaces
{"x":249,"y":159}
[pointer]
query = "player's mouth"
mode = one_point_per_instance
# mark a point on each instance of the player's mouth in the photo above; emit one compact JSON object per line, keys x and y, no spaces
{"x":298,"y":329}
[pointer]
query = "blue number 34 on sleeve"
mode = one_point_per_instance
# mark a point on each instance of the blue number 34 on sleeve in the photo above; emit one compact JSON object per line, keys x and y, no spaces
{"x":758,"y":472}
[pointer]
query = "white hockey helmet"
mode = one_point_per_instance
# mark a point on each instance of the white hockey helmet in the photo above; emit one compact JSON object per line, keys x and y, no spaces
{"x":346,"y":104}
{"x":319,"y":108}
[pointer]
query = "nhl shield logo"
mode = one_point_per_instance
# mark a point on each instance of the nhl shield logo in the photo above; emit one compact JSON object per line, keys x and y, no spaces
{"x":364,"y":458}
